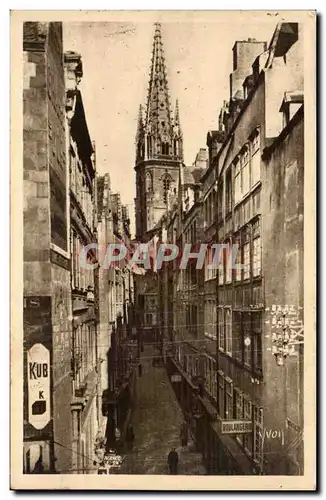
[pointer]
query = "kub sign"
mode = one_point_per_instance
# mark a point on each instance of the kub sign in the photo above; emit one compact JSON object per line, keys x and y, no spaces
{"x":38,"y":377}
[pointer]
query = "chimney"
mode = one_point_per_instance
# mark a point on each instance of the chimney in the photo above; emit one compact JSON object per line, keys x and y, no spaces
{"x":244,"y":54}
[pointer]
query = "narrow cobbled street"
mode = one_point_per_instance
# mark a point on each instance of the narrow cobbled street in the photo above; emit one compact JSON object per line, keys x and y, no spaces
{"x":156,"y":421}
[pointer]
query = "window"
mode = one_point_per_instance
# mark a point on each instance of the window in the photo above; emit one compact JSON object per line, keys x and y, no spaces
{"x":228,"y":264}
{"x":256,"y":258}
{"x":166,"y":186}
{"x":228,"y":331}
{"x":210,"y":377}
{"x":246,"y":261}
{"x":73,"y":166}
{"x":238,"y":260}
{"x":237,"y":333}
{"x":255,"y":159}
{"x":220,"y":202}
{"x":258,"y":436}
{"x":247,"y":340}
{"x":221,"y":266}
{"x":228,"y":398}
{"x":239,"y":411}
{"x":220,"y":394}
{"x":207,"y":270}
{"x":73,"y":261}
{"x":228,"y":192}
{"x":214,"y":381}
{"x":247,"y":415}
{"x":221,"y":332}
{"x":257,"y":341}
{"x":77,"y":254}
{"x":237,"y":182}
{"x":210,"y":319}
{"x":214,"y":264}
{"x":244,"y":160}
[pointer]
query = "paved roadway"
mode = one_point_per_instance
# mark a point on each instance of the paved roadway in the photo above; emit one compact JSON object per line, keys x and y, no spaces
{"x":156,"y":421}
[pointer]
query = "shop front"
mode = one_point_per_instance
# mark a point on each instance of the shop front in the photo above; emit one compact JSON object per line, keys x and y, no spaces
{"x":230,"y":460}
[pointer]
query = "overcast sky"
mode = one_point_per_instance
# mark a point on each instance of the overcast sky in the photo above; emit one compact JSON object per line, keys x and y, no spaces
{"x":116,"y":61}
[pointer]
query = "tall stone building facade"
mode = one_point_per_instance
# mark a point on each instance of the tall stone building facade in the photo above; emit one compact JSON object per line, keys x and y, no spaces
{"x":249,"y":331}
{"x":82,"y":195}
{"x":60,"y":334}
{"x":47,"y":298}
{"x":159,"y":146}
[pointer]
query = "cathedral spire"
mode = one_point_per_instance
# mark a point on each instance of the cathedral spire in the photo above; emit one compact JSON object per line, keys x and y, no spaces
{"x":159,"y":146}
{"x":161,"y":138}
{"x":158,"y":103}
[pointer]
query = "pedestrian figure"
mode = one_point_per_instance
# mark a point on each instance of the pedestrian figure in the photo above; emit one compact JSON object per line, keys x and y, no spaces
{"x":130,"y":436}
{"x":140,"y":369}
{"x":184,"y":434}
{"x":173,"y":460}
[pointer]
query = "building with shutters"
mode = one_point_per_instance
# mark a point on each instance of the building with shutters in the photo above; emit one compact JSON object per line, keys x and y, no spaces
{"x":251,"y":196}
{"x":248,"y":325}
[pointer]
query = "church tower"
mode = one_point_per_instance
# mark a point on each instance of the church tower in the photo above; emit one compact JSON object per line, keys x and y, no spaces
{"x":159,"y":146}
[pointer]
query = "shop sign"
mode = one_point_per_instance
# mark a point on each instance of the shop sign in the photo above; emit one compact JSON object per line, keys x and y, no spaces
{"x":38,"y":382}
{"x":236,"y":426}
{"x":176,"y":378}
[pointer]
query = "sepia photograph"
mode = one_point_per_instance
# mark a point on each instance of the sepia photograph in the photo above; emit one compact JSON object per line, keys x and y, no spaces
{"x":162,"y":250}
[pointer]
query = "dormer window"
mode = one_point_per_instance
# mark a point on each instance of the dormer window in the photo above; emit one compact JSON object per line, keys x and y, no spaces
{"x":292,"y":102}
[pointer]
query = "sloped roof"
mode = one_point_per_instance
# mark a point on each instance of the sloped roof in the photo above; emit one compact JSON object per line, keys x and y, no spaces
{"x":285,"y":35}
{"x":188,"y":177}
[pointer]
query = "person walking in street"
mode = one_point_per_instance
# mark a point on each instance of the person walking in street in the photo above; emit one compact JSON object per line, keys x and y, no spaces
{"x":173,"y":460}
